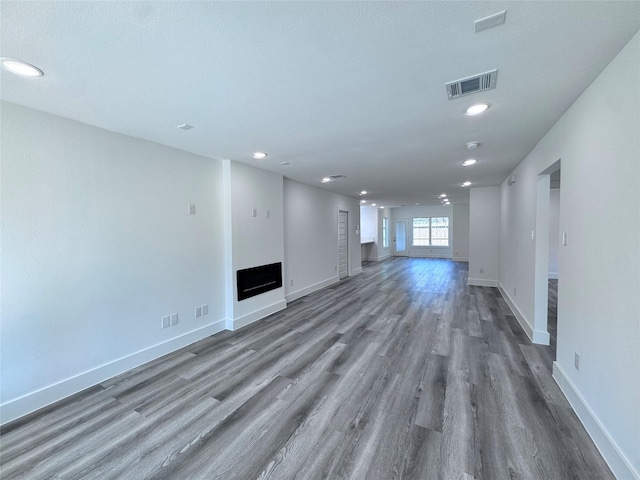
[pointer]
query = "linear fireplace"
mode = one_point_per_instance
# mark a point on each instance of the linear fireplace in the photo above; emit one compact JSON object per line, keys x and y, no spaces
{"x":257,"y":280}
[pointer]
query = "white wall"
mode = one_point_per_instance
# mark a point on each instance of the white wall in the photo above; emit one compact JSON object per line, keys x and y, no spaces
{"x":484,"y":236}
{"x":369,"y":232}
{"x":554,"y":231}
{"x":598,"y":303}
{"x":253,"y":241}
{"x":415,"y":211}
{"x":311,"y":238}
{"x":460,"y":232}
{"x":96,"y":246}
{"x":368,"y":223}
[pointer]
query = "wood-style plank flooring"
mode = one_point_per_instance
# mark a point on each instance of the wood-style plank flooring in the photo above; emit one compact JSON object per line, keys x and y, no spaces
{"x":403,"y":372}
{"x":552,"y":316}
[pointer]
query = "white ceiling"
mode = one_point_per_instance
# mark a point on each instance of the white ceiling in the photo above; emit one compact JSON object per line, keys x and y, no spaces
{"x":355,"y":88}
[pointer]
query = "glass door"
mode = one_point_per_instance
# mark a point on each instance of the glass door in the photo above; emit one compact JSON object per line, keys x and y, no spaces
{"x":400,"y":238}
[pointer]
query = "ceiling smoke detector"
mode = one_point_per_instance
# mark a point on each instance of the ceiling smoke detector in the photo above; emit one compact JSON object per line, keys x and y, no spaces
{"x":474,"y":84}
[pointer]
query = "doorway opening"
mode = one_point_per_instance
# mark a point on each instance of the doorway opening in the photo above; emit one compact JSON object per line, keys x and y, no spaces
{"x":546,"y":257}
{"x":554,"y":247}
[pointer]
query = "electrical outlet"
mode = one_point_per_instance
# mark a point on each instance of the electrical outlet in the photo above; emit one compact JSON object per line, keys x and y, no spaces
{"x":192,"y":209}
{"x":533,"y":235}
{"x":165,"y":321}
{"x":292,"y":283}
{"x":576,"y":361}
{"x":205,"y":310}
{"x":482,"y":270}
{"x":267,"y":213}
{"x":174,"y":319}
{"x":254,"y":212}
{"x":514,"y":291}
{"x":198,"y":312}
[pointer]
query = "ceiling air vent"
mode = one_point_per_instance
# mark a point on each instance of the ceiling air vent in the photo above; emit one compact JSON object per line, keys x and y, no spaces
{"x":469,"y":85}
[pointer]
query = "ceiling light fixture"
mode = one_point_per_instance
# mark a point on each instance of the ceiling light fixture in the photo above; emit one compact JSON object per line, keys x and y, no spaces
{"x":443,"y":195}
{"x":472,"y":145}
{"x":285,"y":163}
{"x":363,"y":192}
{"x":469,"y":162}
{"x":185,"y":126}
{"x":363,"y":201}
{"x":373,"y":204}
{"x":476,"y":109}
{"x":465,"y":184}
{"x":20,"y":68}
{"x":259,"y":155}
{"x":326,"y":180}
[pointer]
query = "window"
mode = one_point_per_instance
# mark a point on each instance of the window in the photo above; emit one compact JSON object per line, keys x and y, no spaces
{"x":431,"y":232}
{"x":385,"y":232}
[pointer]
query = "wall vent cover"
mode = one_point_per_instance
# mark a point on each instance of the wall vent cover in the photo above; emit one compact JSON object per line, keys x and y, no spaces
{"x":469,"y":85}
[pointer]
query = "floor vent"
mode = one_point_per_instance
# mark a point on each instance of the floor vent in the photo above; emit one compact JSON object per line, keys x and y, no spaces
{"x":469,"y":85}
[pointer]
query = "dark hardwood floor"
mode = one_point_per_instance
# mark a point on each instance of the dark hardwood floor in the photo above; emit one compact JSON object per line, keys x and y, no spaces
{"x":552,"y":316}
{"x":403,"y":372}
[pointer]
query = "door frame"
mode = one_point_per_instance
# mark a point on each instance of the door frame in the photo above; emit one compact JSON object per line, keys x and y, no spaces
{"x":406,"y":236}
{"x":541,"y":262}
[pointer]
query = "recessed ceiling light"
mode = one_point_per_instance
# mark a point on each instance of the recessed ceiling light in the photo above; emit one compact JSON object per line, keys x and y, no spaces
{"x":326,"y":179}
{"x":185,"y":126}
{"x":465,"y":184}
{"x":363,"y":201}
{"x":417,"y":203}
{"x":20,"y":68}
{"x":472,"y":145}
{"x":476,"y":109}
{"x":381,"y":206}
{"x":443,"y":195}
{"x":373,"y":204}
{"x":259,"y":155}
{"x":363,"y":192}
{"x":469,"y":162}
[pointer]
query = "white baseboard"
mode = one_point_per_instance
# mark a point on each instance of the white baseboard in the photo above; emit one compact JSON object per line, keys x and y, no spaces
{"x":617,"y":461}
{"x":427,"y":255}
{"x":303,"y":292}
{"x":541,"y":337}
{"x":460,"y":259}
{"x":481,"y":282}
{"x":553,"y":275}
{"x":236,"y":323}
{"x":380,"y":258}
{"x":33,"y":401}
{"x":356,"y":271}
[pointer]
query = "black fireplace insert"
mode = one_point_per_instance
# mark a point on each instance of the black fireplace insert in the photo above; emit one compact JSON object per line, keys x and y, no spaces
{"x":257,"y":280}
